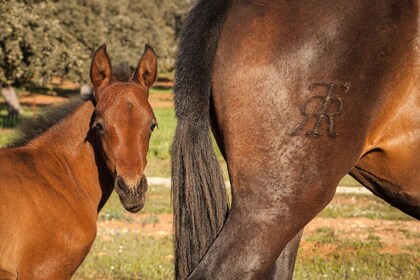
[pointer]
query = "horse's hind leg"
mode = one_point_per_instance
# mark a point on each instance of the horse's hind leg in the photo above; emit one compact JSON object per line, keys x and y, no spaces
{"x":264,"y":216}
{"x":285,"y":264}
{"x":279,"y":183}
{"x":285,"y":150}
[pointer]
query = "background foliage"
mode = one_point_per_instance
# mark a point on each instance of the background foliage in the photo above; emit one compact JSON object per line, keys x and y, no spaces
{"x":40,"y":39}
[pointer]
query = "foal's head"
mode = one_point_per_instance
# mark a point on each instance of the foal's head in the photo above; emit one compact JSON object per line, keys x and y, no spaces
{"x":124,"y":122}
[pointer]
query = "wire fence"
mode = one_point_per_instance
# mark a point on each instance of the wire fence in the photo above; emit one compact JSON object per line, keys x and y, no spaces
{"x":8,"y":120}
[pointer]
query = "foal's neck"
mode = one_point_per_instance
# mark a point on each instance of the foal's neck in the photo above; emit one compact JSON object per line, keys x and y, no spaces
{"x":76,"y":149}
{"x":68,"y":134}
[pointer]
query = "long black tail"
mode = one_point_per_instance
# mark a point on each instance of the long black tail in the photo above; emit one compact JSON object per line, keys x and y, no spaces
{"x":198,"y":191}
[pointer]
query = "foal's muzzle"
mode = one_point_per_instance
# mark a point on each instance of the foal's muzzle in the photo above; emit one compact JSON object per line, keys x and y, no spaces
{"x":132,"y":196}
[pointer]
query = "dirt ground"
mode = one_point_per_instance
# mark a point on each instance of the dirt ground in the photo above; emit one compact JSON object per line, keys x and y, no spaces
{"x":39,"y":99}
{"x":161,"y":100}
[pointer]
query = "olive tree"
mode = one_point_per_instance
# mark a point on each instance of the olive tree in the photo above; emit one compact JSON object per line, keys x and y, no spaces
{"x":40,"y":39}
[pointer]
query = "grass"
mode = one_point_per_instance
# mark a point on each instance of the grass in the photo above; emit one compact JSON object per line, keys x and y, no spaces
{"x":349,"y":182}
{"x":333,"y":257}
{"x":132,"y":254}
{"x":356,"y":260}
{"x":160,"y":144}
{"x":157,"y":202}
{"x":129,"y":254}
{"x":5,"y":137}
{"x":342,"y":206}
{"x":122,"y":254}
{"x":156,"y":91}
{"x":366,"y":206}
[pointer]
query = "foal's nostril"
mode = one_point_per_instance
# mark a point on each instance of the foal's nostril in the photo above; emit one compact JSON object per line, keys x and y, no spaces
{"x":142,"y":186}
{"x":122,"y":185}
{"x":137,"y":189}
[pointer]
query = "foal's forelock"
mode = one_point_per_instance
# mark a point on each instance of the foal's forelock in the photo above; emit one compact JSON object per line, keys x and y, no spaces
{"x":121,"y":73}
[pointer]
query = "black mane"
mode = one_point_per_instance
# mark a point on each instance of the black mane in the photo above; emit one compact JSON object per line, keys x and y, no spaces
{"x":39,"y":124}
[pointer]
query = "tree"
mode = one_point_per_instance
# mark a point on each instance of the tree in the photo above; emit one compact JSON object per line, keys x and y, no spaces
{"x":34,"y":46}
{"x":40,"y":39}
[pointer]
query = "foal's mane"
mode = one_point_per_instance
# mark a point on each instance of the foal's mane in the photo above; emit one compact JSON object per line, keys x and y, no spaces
{"x":39,"y":124}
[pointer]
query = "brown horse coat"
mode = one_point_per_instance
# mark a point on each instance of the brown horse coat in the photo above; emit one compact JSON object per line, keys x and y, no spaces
{"x":302,"y":92}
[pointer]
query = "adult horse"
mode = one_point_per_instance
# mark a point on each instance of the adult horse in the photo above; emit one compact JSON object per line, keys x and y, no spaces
{"x":62,"y":170}
{"x":298,"y":93}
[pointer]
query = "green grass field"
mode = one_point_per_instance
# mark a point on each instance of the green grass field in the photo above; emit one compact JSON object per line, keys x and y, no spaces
{"x":5,"y":137}
{"x":128,"y":247}
{"x":355,"y":237}
{"x":158,"y":158}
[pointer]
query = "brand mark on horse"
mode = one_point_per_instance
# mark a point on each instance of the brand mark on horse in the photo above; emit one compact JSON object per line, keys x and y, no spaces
{"x":321,"y":107}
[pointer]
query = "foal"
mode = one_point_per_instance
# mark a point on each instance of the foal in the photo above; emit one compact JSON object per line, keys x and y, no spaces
{"x":60,"y":173}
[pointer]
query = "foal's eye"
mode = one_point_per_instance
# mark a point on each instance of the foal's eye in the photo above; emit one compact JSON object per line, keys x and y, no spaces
{"x":98,"y":126}
{"x":153,"y":126}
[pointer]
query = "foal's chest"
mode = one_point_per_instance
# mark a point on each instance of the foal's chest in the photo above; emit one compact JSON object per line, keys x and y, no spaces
{"x":58,"y":259}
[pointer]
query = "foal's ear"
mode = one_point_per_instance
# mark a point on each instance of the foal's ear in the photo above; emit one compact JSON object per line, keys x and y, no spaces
{"x":100,"y":69}
{"x":146,"y":71}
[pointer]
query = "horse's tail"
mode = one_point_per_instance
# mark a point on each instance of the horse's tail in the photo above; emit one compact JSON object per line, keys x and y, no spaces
{"x":198,"y":191}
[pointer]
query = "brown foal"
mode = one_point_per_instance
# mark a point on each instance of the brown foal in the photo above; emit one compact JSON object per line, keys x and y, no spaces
{"x":62,"y":170}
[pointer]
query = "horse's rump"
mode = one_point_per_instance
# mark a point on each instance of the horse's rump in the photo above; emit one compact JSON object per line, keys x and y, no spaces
{"x":300,"y":91}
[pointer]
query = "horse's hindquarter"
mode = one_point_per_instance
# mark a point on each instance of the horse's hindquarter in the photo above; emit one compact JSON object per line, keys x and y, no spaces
{"x":308,"y":85}
{"x":44,"y":234}
{"x":305,"y":85}
{"x":297,"y":88}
